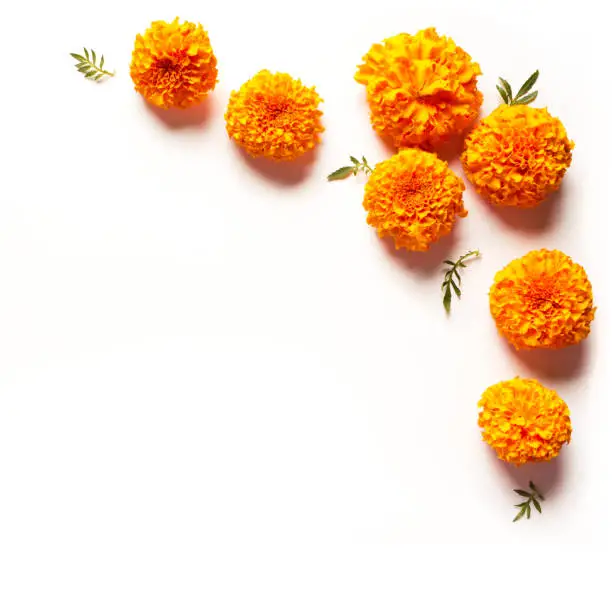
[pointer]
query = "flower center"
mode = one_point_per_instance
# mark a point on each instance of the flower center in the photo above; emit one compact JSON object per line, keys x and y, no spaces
{"x":542,"y":290}
{"x":409,"y":192}
{"x":277,"y":112}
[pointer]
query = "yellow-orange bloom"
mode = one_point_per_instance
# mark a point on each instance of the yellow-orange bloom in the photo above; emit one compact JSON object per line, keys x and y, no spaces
{"x":523,"y":421}
{"x":275,"y":116}
{"x":415,"y":198}
{"x":542,"y":300}
{"x":173,"y":64}
{"x":421,"y":89}
{"x":517,"y":155}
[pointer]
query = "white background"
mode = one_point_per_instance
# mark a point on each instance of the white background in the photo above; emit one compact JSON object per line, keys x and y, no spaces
{"x":219,"y":390}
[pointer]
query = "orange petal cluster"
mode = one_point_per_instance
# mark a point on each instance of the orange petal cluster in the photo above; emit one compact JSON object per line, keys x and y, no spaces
{"x":275,"y":116}
{"x":415,"y":198}
{"x":542,"y":300}
{"x":517,"y":155}
{"x":173,"y":64}
{"x":421,"y":89}
{"x":523,"y":421}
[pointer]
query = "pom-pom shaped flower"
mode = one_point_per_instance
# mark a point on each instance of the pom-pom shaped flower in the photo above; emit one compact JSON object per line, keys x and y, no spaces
{"x":524,"y":421}
{"x":275,"y":116}
{"x":421,"y":89}
{"x":415,"y":198}
{"x":517,"y":155}
{"x":173,"y":64}
{"x":542,"y":300}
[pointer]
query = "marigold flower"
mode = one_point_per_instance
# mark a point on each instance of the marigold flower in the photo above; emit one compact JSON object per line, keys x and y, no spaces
{"x":517,"y":155}
{"x":173,"y":64}
{"x":275,"y":116}
{"x":415,"y":198}
{"x":542,"y":300}
{"x":523,"y":421}
{"x":421,"y":89}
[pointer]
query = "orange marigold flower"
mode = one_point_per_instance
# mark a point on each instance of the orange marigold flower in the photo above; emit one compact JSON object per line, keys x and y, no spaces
{"x":542,"y":300}
{"x":517,"y":155}
{"x":275,"y":116}
{"x":523,"y":421}
{"x":173,"y":64}
{"x":415,"y":198}
{"x":421,"y":89}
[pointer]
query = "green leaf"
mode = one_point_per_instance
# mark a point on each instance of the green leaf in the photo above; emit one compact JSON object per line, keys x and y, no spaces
{"x":93,"y":57}
{"x":98,"y":77}
{"x":521,"y":492}
{"x":78,"y":57}
{"x":535,"y":490}
{"x":86,"y":53}
{"x":520,"y":514}
{"x":528,"y":511}
{"x":85,"y":68}
{"x":536,"y":503}
{"x":102,"y":62}
{"x":341,"y":173}
{"x":456,"y":288}
{"x":448,"y":262}
{"x":528,"y":84}
{"x":447,"y":299}
{"x":507,"y":87}
{"x":503,"y":94}
{"x":527,"y":99}
{"x":355,"y":160}
{"x":457,"y":275}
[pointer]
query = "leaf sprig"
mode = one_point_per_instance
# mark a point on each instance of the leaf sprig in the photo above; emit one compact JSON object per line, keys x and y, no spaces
{"x":346,"y":171}
{"x":523,"y":96}
{"x":532,"y":497}
{"x":88,"y":66}
{"x":452,"y":278}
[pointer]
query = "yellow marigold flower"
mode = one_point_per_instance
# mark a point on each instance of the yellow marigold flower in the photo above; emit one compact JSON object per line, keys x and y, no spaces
{"x":517,"y":155}
{"x":523,"y":421}
{"x":421,"y":89}
{"x":275,"y":116}
{"x":415,"y":198}
{"x":542,"y":300}
{"x":173,"y":64}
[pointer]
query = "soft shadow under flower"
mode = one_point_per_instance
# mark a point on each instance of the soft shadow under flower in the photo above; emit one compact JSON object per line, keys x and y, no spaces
{"x":177,"y":119}
{"x":425,"y":263}
{"x":284,"y":173}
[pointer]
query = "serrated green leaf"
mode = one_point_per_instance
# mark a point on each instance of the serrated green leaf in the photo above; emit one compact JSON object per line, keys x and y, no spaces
{"x":86,"y":53}
{"x":520,"y":514}
{"x":536,"y":503}
{"x":535,"y":490}
{"x":78,"y":57}
{"x":102,"y":62}
{"x":527,"y":99}
{"x":506,"y":87}
{"x":447,"y":299}
{"x":503,"y":94}
{"x":340,"y":173}
{"x":93,"y":57}
{"x":528,"y":84}
{"x":521,"y":492}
